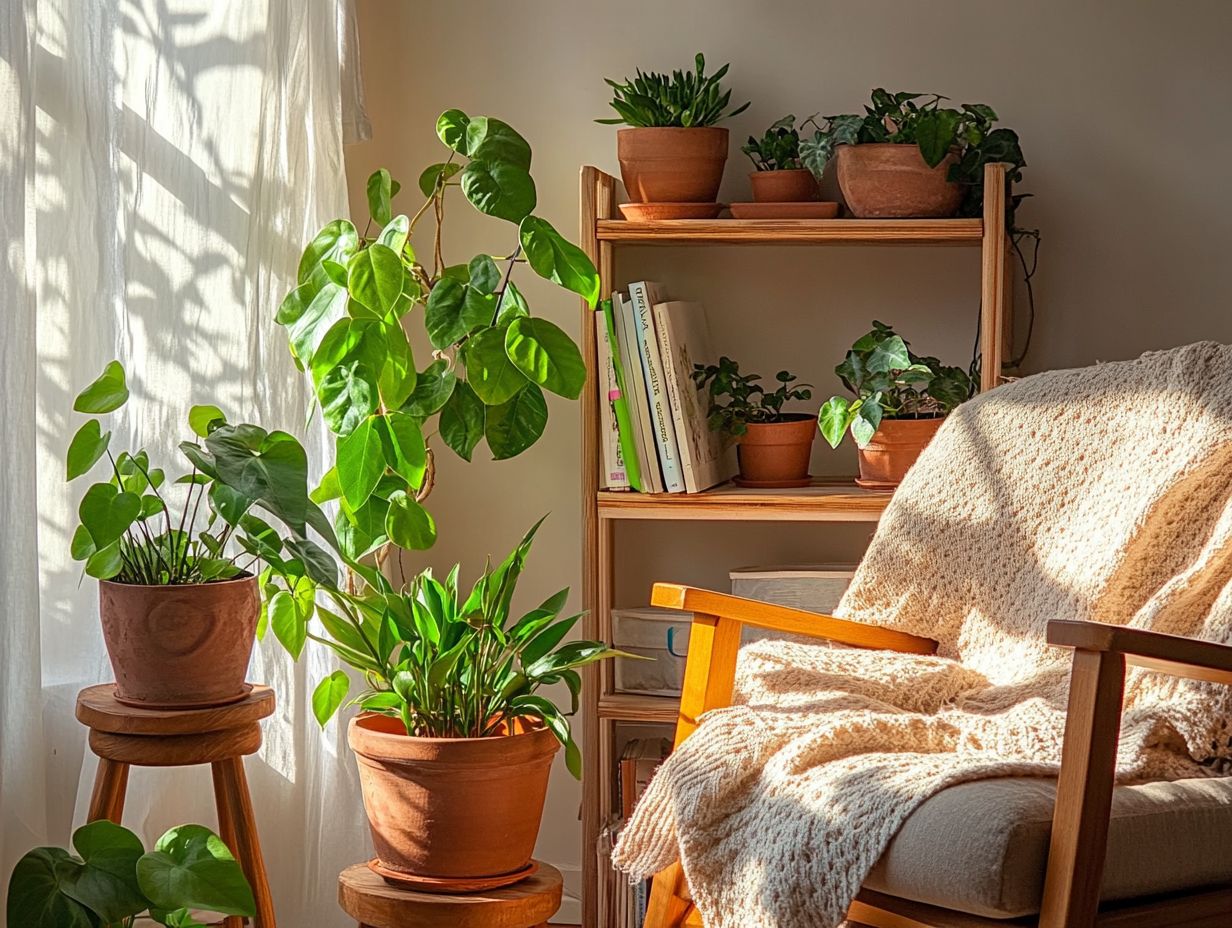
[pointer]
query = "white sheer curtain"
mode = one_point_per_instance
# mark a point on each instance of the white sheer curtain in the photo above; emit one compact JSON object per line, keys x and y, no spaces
{"x":170,"y":158}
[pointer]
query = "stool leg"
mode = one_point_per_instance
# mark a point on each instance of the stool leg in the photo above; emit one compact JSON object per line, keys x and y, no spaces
{"x":226,"y":831}
{"x":110,"y":784}
{"x":232,"y":786}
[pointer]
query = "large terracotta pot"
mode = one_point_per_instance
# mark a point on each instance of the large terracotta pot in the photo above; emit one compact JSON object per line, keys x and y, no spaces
{"x":795,"y":186}
{"x":182,"y":646}
{"x":884,"y":462}
{"x":669,"y":165}
{"x":451,"y":808}
{"x":776,"y":454}
{"x":885,"y":181}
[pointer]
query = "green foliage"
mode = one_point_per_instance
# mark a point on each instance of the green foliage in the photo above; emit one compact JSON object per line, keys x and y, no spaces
{"x":127,"y":530}
{"x":347,"y":322}
{"x":889,"y":381}
{"x":779,"y":148}
{"x":920,"y":119}
{"x":685,"y":99}
{"x":737,"y":399}
{"x":112,"y":879}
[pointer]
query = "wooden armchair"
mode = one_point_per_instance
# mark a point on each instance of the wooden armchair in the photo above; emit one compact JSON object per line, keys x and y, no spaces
{"x":1084,"y":797}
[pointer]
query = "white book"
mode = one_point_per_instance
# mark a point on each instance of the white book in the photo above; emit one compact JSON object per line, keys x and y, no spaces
{"x":635,"y":381}
{"x":644,"y":294}
{"x":684,"y":341}
{"x":613,"y":476}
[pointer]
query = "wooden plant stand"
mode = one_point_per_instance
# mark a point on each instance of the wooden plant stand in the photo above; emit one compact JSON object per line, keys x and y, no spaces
{"x":376,"y":904}
{"x":123,"y":735}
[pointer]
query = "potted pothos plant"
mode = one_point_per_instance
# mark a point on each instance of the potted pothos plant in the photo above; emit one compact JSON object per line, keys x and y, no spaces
{"x":673,"y":149}
{"x":773,"y":446}
{"x":178,"y":611}
{"x":112,"y":880}
{"x":452,"y":707}
{"x":898,"y":402}
{"x":908,"y":155}
{"x":780,"y":175}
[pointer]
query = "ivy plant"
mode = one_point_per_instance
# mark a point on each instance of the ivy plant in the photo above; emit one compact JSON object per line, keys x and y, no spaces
{"x":683,"y":99}
{"x":739,"y":399}
{"x":921,"y":119}
{"x":492,"y":359}
{"x":779,"y":147}
{"x":127,"y":529}
{"x":889,"y":381}
{"x":112,"y":880}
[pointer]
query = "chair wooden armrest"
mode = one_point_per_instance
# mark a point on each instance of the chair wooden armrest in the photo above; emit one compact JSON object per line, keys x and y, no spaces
{"x":1088,"y":756}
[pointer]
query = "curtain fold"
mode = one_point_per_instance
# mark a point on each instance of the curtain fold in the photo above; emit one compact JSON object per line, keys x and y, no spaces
{"x":171,"y":158}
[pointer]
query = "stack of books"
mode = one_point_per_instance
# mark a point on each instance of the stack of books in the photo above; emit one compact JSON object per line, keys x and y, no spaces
{"x":655,"y":438}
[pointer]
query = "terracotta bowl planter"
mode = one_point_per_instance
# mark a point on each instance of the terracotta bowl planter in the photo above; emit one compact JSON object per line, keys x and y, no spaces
{"x":885,"y":181}
{"x":179,"y":647}
{"x":795,"y":186}
{"x":894,"y":448}
{"x":672,"y":165}
{"x":451,"y":808}
{"x":776,"y":454}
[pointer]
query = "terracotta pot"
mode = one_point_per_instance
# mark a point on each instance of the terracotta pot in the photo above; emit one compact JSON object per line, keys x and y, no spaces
{"x":451,"y":807}
{"x":885,"y":181}
{"x":893,"y":449}
{"x":776,"y":454}
{"x":796,"y":186}
{"x":179,"y":647}
{"x":672,"y":165}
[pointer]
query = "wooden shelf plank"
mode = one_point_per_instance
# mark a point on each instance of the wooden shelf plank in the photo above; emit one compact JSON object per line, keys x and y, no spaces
{"x":794,"y":231}
{"x":627,"y":707}
{"x":827,"y":500}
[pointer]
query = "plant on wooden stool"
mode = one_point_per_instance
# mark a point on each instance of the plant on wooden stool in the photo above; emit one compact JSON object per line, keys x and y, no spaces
{"x":774,"y":445}
{"x":112,"y":880}
{"x":899,"y":401}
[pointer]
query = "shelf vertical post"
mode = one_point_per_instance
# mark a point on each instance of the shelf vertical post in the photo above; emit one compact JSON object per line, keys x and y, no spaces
{"x":993,"y":278}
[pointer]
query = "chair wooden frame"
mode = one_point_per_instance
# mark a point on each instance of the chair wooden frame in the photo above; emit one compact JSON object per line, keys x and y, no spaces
{"x":1084,"y":787}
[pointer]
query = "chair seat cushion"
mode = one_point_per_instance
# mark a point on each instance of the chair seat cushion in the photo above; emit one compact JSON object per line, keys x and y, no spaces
{"x":982,"y":847}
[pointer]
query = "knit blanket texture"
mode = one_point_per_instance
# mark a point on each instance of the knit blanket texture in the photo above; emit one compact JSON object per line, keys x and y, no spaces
{"x":1101,"y":494}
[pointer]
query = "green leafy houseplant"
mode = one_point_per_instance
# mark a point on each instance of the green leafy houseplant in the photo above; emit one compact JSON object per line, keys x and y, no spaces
{"x":683,"y":99}
{"x":779,"y":147}
{"x":346,"y":322}
{"x":112,"y":880}
{"x":889,"y":381}
{"x":127,"y":530}
{"x":920,"y":119}
{"x":736,"y":399}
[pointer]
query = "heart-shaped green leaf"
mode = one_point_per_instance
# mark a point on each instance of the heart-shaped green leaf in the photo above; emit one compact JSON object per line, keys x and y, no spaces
{"x":434,"y":386}
{"x":560,"y":261}
{"x":406,"y":453}
{"x":360,"y":462}
{"x":106,"y":394}
{"x":833,"y":419}
{"x":336,"y":243}
{"x":374,"y":278}
{"x":348,"y":395}
{"x":88,"y":445}
{"x":380,"y":190}
{"x":107,"y":883}
{"x":107,"y":513}
{"x":451,"y":129}
{"x":484,"y":275}
{"x":287,"y":623}
{"x":546,"y":355}
{"x":329,"y":695}
{"x":408,"y":524}
{"x":515,"y":425}
{"x":489,"y":369}
{"x":499,"y":189}
{"x":36,"y":898}
{"x":428,"y":179}
{"x":497,"y":142}
{"x":462,"y":419}
{"x":200,"y":418}
{"x":191,"y":867}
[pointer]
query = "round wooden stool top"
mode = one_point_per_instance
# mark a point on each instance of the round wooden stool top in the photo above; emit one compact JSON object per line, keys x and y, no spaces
{"x":374,"y":903}
{"x":172,"y":737}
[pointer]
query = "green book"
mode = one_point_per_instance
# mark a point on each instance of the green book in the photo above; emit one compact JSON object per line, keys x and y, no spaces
{"x":624,"y":425}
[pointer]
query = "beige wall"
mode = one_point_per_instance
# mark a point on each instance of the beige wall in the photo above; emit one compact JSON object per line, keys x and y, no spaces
{"x":1122,"y":108}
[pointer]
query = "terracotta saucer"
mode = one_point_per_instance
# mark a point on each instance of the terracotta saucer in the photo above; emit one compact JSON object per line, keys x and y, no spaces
{"x":772,"y":484}
{"x":656,"y":212}
{"x":802,"y":210}
{"x":876,"y":485}
{"x":448,"y":885}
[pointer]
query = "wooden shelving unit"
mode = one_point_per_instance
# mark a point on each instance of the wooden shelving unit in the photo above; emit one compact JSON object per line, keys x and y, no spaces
{"x":825,"y":501}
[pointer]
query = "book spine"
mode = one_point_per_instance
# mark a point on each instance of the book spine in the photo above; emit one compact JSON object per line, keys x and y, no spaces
{"x":652,"y":364}
{"x":620,"y":403}
{"x":635,"y":380}
{"x":672,"y":376}
{"x":613,"y":476}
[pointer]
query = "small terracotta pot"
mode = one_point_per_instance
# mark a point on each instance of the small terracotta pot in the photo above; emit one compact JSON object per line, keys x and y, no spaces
{"x":776,"y":454}
{"x":180,"y":647}
{"x":451,"y":808}
{"x":670,"y":165}
{"x":886,"y":181}
{"x":795,"y":186}
{"x":893,"y":449}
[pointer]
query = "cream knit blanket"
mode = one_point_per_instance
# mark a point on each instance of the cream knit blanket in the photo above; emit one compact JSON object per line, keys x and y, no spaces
{"x":1102,"y":494}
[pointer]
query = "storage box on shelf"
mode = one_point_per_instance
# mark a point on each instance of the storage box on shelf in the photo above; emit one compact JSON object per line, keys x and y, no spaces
{"x":827,"y":500}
